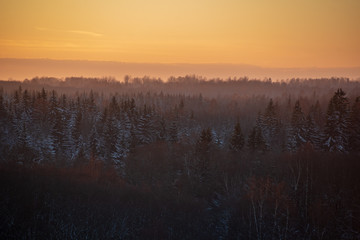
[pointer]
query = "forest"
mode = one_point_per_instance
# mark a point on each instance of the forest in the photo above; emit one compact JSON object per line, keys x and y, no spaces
{"x":186,"y":158}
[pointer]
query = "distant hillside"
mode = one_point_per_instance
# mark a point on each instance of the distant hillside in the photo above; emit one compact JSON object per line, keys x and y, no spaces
{"x":20,"y":69}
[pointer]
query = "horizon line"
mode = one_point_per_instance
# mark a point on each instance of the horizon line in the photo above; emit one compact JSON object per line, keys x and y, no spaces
{"x":181,"y":63}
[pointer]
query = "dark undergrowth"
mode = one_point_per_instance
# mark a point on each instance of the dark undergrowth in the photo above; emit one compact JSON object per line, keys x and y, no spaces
{"x":283,"y":196}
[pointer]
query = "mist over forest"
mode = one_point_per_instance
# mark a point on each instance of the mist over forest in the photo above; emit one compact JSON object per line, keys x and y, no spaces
{"x":186,"y":158}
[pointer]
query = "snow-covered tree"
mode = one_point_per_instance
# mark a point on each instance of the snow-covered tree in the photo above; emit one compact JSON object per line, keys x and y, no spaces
{"x":297,"y":135}
{"x":145,"y":127}
{"x":312,"y":132}
{"x":355,"y":126}
{"x":270,"y":121}
{"x":337,"y":123}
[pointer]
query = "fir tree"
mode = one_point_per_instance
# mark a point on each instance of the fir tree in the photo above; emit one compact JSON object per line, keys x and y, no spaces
{"x":76,"y":131}
{"x":53,"y":106}
{"x":256,"y":141}
{"x":173,"y":132}
{"x":3,"y":112}
{"x":237,"y":138}
{"x":297,"y":130}
{"x":270,"y":120}
{"x":252,"y":140}
{"x":261,"y":144}
{"x":145,"y":127}
{"x":23,"y":151}
{"x":355,"y":126}
{"x":110,"y":136}
{"x":202,"y":163}
{"x":160,"y":128}
{"x":337,"y":124}
{"x":270,"y":126}
{"x":26,"y":100}
{"x":312,"y":132}
{"x":203,"y":144}
{"x":58,"y":131}
{"x":94,"y":144}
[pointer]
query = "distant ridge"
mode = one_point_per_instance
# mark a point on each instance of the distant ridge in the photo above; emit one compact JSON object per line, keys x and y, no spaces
{"x":20,"y":69}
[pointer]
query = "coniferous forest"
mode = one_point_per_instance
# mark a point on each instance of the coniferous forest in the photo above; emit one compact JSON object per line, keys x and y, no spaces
{"x":186,"y":158}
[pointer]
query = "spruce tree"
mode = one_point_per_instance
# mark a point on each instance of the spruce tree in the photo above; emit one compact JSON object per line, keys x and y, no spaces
{"x":110,"y":136}
{"x":261,"y":144}
{"x":270,"y":120}
{"x":355,"y":126}
{"x":237,"y":139}
{"x":202,"y":163}
{"x":297,"y":130}
{"x":270,"y":126}
{"x":173,"y":132}
{"x":145,"y":129}
{"x":203,"y":144}
{"x":312,"y":132}
{"x":256,"y":141}
{"x":23,"y":151}
{"x":337,"y":123}
{"x":76,"y":130}
{"x":252,"y":140}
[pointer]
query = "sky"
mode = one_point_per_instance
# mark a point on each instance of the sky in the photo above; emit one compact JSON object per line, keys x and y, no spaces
{"x":273,"y":34}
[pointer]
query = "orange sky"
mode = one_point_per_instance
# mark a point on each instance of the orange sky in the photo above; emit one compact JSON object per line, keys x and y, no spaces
{"x":277,"y":33}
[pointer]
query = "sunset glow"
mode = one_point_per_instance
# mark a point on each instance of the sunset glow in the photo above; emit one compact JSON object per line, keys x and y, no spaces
{"x":180,"y":119}
{"x":322,"y":33}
